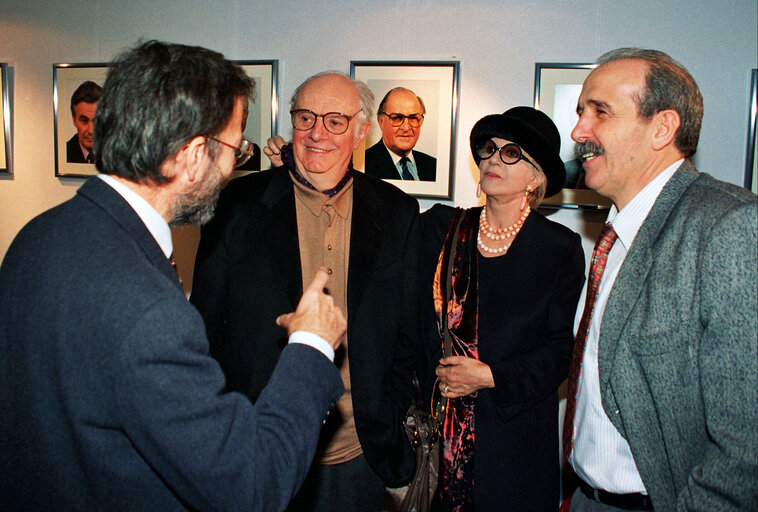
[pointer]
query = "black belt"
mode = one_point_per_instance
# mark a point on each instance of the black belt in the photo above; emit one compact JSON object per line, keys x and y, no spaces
{"x":635,"y":501}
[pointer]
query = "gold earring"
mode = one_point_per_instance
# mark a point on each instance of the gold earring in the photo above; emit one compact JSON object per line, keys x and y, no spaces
{"x":525,"y":199}
{"x":478,"y":190}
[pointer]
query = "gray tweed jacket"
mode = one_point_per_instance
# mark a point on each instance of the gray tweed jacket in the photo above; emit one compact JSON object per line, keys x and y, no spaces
{"x":678,"y":353}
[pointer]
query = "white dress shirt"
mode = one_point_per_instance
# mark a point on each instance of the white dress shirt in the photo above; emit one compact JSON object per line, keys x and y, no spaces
{"x":601,"y":456}
{"x":158,"y":227}
{"x":396,"y":160}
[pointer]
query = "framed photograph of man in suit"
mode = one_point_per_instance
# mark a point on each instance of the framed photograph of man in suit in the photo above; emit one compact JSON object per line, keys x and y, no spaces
{"x":557,"y":87}
{"x":76,"y":92}
{"x":259,"y":121}
{"x":5,"y":122}
{"x":411,"y":142}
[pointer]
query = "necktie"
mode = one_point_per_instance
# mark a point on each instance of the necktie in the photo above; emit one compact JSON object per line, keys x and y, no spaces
{"x":406,"y":174}
{"x":597,"y":267}
{"x":90,"y":158}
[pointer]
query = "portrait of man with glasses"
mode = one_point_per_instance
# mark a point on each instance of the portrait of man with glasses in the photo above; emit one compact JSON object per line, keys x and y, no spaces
{"x":400,"y":116}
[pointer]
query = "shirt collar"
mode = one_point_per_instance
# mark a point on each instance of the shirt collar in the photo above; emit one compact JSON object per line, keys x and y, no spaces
{"x":153,"y":221}
{"x":315,"y":200}
{"x":396,"y":158}
{"x":85,"y":151}
{"x":628,"y":221}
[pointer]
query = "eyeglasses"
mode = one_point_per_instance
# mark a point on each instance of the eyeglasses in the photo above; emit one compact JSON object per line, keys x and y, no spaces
{"x":241,"y":154}
{"x":510,"y":153}
{"x":334,"y":122}
{"x":414,"y":120}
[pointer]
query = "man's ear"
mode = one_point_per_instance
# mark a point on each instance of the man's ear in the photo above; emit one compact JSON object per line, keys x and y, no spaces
{"x":362,"y":132}
{"x":191,"y":157}
{"x":665,"y":125}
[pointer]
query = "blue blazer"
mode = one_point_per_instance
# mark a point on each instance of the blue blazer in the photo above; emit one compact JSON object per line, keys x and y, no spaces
{"x":110,"y":400}
{"x":678,"y":346}
{"x":379,"y":164}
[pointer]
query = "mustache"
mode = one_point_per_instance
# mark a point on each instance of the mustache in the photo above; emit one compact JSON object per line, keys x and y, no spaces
{"x":585,"y":150}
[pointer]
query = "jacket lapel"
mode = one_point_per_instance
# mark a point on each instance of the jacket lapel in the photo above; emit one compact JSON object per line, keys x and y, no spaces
{"x":100,"y":193}
{"x":634,"y":271}
{"x":365,"y":240}
{"x":279,"y":229}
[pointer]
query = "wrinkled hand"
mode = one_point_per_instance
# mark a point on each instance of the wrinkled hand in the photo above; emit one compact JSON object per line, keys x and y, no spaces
{"x":316,"y":313}
{"x":273,"y":150}
{"x":462,"y":376}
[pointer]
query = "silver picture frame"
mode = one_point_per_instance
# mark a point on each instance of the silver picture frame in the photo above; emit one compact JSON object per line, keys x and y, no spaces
{"x":67,"y":77}
{"x":557,"y":87}
{"x":751,"y":158}
{"x":263,"y":110}
{"x":6,"y":160}
{"x":437,"y":83}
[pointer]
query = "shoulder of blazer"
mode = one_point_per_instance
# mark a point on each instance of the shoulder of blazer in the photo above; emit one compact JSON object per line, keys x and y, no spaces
{"x":376,"y":148}
{"x":423,"y":157}
{"x":112,"y":204}
{"x":554,"y":231}
{"x":381,"y":194}
{"x":262,"y":189}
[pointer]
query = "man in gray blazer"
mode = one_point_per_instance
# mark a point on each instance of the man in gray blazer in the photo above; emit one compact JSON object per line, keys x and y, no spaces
{"x":666,"y":403}
{"x":109,"y":398}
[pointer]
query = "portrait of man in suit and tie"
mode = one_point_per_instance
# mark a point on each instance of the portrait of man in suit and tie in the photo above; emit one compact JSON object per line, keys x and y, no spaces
{"x":83,"y":106}
{"x":400,"y":116}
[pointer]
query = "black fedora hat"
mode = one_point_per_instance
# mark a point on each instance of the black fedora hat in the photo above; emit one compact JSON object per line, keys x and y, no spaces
{"x":532,"y":130}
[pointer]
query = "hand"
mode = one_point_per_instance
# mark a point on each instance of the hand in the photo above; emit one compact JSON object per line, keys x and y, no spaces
{"x":316,"y":313}
{"x":461,"y":376}
{"x":273,"y":150}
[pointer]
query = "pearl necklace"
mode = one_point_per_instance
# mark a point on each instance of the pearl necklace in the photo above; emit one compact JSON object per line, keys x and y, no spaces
{"x":506,"y":234}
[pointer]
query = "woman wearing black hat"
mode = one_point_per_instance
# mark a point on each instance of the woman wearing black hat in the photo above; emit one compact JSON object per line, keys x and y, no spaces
{"x":516,"y":279}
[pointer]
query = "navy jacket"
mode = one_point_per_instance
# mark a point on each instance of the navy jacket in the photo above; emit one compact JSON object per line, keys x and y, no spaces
{"x":110,"y":400}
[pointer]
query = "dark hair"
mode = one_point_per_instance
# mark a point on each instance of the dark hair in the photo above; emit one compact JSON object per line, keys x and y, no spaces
{"x":157,"y":97}
{"x":383,"y":103}
{"x":668,"y":86}
{"x":87,"y":92}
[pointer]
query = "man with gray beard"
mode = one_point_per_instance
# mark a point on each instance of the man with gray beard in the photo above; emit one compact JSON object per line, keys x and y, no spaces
{"x":110,"y":399}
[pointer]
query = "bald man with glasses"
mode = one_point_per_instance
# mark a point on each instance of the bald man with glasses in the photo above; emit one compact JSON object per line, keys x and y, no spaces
{"x":400,"y":116}
{"x":273,"y":230}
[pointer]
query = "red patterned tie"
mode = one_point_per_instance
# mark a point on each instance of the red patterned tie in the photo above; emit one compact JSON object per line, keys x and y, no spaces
{"x":597,"y":267}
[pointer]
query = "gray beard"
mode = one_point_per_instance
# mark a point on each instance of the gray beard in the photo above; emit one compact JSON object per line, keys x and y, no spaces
{"x":198,"y":205}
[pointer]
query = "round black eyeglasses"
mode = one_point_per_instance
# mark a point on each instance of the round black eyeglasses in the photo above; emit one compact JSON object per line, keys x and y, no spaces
{"x":510,"y":153}
{"x":334,"y":122}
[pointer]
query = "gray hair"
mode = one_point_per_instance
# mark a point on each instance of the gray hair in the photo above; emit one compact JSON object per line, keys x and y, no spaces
{"x":668,"y":86}
{"x":365,"y":94}
{"x":383,"y":103}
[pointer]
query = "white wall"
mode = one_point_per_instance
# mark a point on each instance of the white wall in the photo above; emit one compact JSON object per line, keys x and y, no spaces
{"x":496,"y":41}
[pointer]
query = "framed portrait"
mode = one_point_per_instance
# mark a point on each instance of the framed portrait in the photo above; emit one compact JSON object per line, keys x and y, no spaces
{"x":751,"y":160}
{"x":259,"y":122}
{"x":5,"y":123}
{"x":557,"y":87}
{"x":76,"y":91}
{"x":412,"y":143}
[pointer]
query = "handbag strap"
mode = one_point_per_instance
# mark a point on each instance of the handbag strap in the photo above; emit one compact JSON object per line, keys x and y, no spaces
{"x":460,"y":213}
